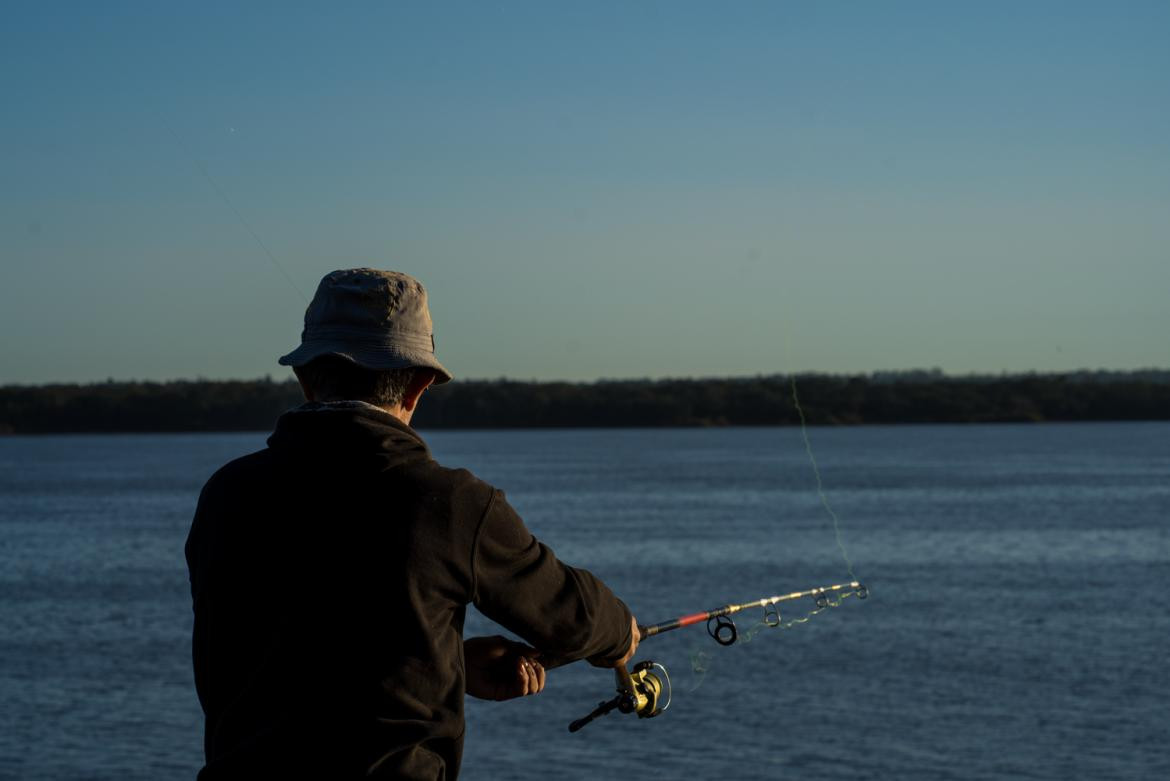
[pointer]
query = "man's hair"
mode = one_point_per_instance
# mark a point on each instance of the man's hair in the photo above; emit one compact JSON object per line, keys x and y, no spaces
{"x":332,"y":378}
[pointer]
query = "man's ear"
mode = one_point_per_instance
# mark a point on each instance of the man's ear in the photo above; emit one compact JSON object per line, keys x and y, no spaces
{"x":420,"y":382}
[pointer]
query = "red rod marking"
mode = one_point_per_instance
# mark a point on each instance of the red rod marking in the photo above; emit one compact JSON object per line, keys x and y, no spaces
{"x":694,"y":618}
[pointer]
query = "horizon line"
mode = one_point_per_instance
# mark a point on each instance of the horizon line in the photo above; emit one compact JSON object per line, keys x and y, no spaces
{"x":913,"y":373}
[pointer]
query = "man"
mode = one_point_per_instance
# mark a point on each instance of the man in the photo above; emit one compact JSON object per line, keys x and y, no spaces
{"x":331,"y":572}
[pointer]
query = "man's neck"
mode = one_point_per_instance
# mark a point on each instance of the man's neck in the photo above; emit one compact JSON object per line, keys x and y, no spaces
{"x":397,"y":410}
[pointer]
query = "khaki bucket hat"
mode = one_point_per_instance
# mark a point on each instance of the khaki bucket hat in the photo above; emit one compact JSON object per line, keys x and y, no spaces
{"x":377,"y":319}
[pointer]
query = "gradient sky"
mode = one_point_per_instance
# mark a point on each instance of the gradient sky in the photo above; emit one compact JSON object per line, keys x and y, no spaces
{"x":589,"y":189}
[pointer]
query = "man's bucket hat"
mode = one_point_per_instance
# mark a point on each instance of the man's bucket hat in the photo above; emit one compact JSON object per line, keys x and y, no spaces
{"x":377,"y":319}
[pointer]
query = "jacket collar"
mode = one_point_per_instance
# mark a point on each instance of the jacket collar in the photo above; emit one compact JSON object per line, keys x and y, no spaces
{"x":346,"y":431}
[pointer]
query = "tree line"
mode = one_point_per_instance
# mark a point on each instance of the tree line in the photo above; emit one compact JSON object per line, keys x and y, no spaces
{"x":890,"y":397}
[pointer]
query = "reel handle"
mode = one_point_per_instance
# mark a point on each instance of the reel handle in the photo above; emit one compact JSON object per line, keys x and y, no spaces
{"x":602,"y":709}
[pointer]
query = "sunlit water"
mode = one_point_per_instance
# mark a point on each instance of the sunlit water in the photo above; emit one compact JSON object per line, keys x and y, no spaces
{"x":1017,"y":626}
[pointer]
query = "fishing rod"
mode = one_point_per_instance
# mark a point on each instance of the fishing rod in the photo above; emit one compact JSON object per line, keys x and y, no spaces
{"x":640,"y":690}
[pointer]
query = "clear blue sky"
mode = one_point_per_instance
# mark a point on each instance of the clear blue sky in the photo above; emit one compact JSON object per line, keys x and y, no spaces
{"x":589,"y":189}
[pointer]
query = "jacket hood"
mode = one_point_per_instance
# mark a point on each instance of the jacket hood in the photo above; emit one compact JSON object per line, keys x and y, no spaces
{"x":350,"y":433}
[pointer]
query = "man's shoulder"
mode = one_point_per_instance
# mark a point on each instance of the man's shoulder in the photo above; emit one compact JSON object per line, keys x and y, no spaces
{"x":432,"y":477}
{"x":245,"y":468}
{"x":265,"y":471}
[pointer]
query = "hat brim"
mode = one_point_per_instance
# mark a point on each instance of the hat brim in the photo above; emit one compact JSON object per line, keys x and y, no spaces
{"x":375,"y":357}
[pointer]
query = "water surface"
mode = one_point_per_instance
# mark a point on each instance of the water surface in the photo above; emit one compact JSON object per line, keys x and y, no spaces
{"x":1016,"y":626}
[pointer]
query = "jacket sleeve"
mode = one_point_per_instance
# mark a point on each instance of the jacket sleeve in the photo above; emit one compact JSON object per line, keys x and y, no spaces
{"x":564,"y":612}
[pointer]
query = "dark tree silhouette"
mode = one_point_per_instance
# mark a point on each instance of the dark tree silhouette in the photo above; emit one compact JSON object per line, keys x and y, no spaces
{"x":889,"y":397}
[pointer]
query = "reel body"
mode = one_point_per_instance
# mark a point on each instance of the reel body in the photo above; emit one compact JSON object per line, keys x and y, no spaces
{"x":638,"y":691}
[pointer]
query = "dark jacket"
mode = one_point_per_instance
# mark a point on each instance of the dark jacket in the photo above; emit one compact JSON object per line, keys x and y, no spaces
{"x":330,"y":575}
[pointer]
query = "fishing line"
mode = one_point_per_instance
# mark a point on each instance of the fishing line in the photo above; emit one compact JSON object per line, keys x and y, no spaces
{"x":701,"y":661}
{"x":812,"y":459}
{"x":232,"y":207}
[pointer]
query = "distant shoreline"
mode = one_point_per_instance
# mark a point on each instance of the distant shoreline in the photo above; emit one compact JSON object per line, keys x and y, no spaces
{"x":826,"y":399}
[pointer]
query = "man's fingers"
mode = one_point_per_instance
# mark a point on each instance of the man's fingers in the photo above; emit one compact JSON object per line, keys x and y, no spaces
{"x":531,"y":676}
{"x":521,"y":677}
{"x":527,"y":678}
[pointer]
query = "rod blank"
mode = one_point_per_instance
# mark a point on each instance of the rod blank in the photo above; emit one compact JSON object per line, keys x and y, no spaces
{"x":694,"y":618}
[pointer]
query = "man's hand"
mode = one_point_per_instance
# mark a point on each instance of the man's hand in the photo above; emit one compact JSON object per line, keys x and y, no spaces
{"x":499,"y":669}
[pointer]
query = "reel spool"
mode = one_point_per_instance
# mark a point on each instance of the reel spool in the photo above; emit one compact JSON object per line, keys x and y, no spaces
{"x":648,"y":688}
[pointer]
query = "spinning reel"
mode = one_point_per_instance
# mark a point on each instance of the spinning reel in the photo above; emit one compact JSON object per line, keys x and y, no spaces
{"x":638,"y":691}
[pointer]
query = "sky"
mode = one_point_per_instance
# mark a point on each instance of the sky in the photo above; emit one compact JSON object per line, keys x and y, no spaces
{"x":589,"y":190}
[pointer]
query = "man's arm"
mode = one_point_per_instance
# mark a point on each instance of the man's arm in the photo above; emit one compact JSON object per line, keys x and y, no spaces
{"x":564,"y":612}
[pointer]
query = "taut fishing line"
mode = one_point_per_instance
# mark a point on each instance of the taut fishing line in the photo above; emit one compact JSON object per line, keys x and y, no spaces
{"x":701,"y":661}
{"x":641,"y":690}
{"x":812,"y":459}
{"x":232,"y":208}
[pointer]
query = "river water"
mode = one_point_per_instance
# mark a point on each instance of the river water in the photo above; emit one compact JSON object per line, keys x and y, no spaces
{"x":1016,"y":626}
